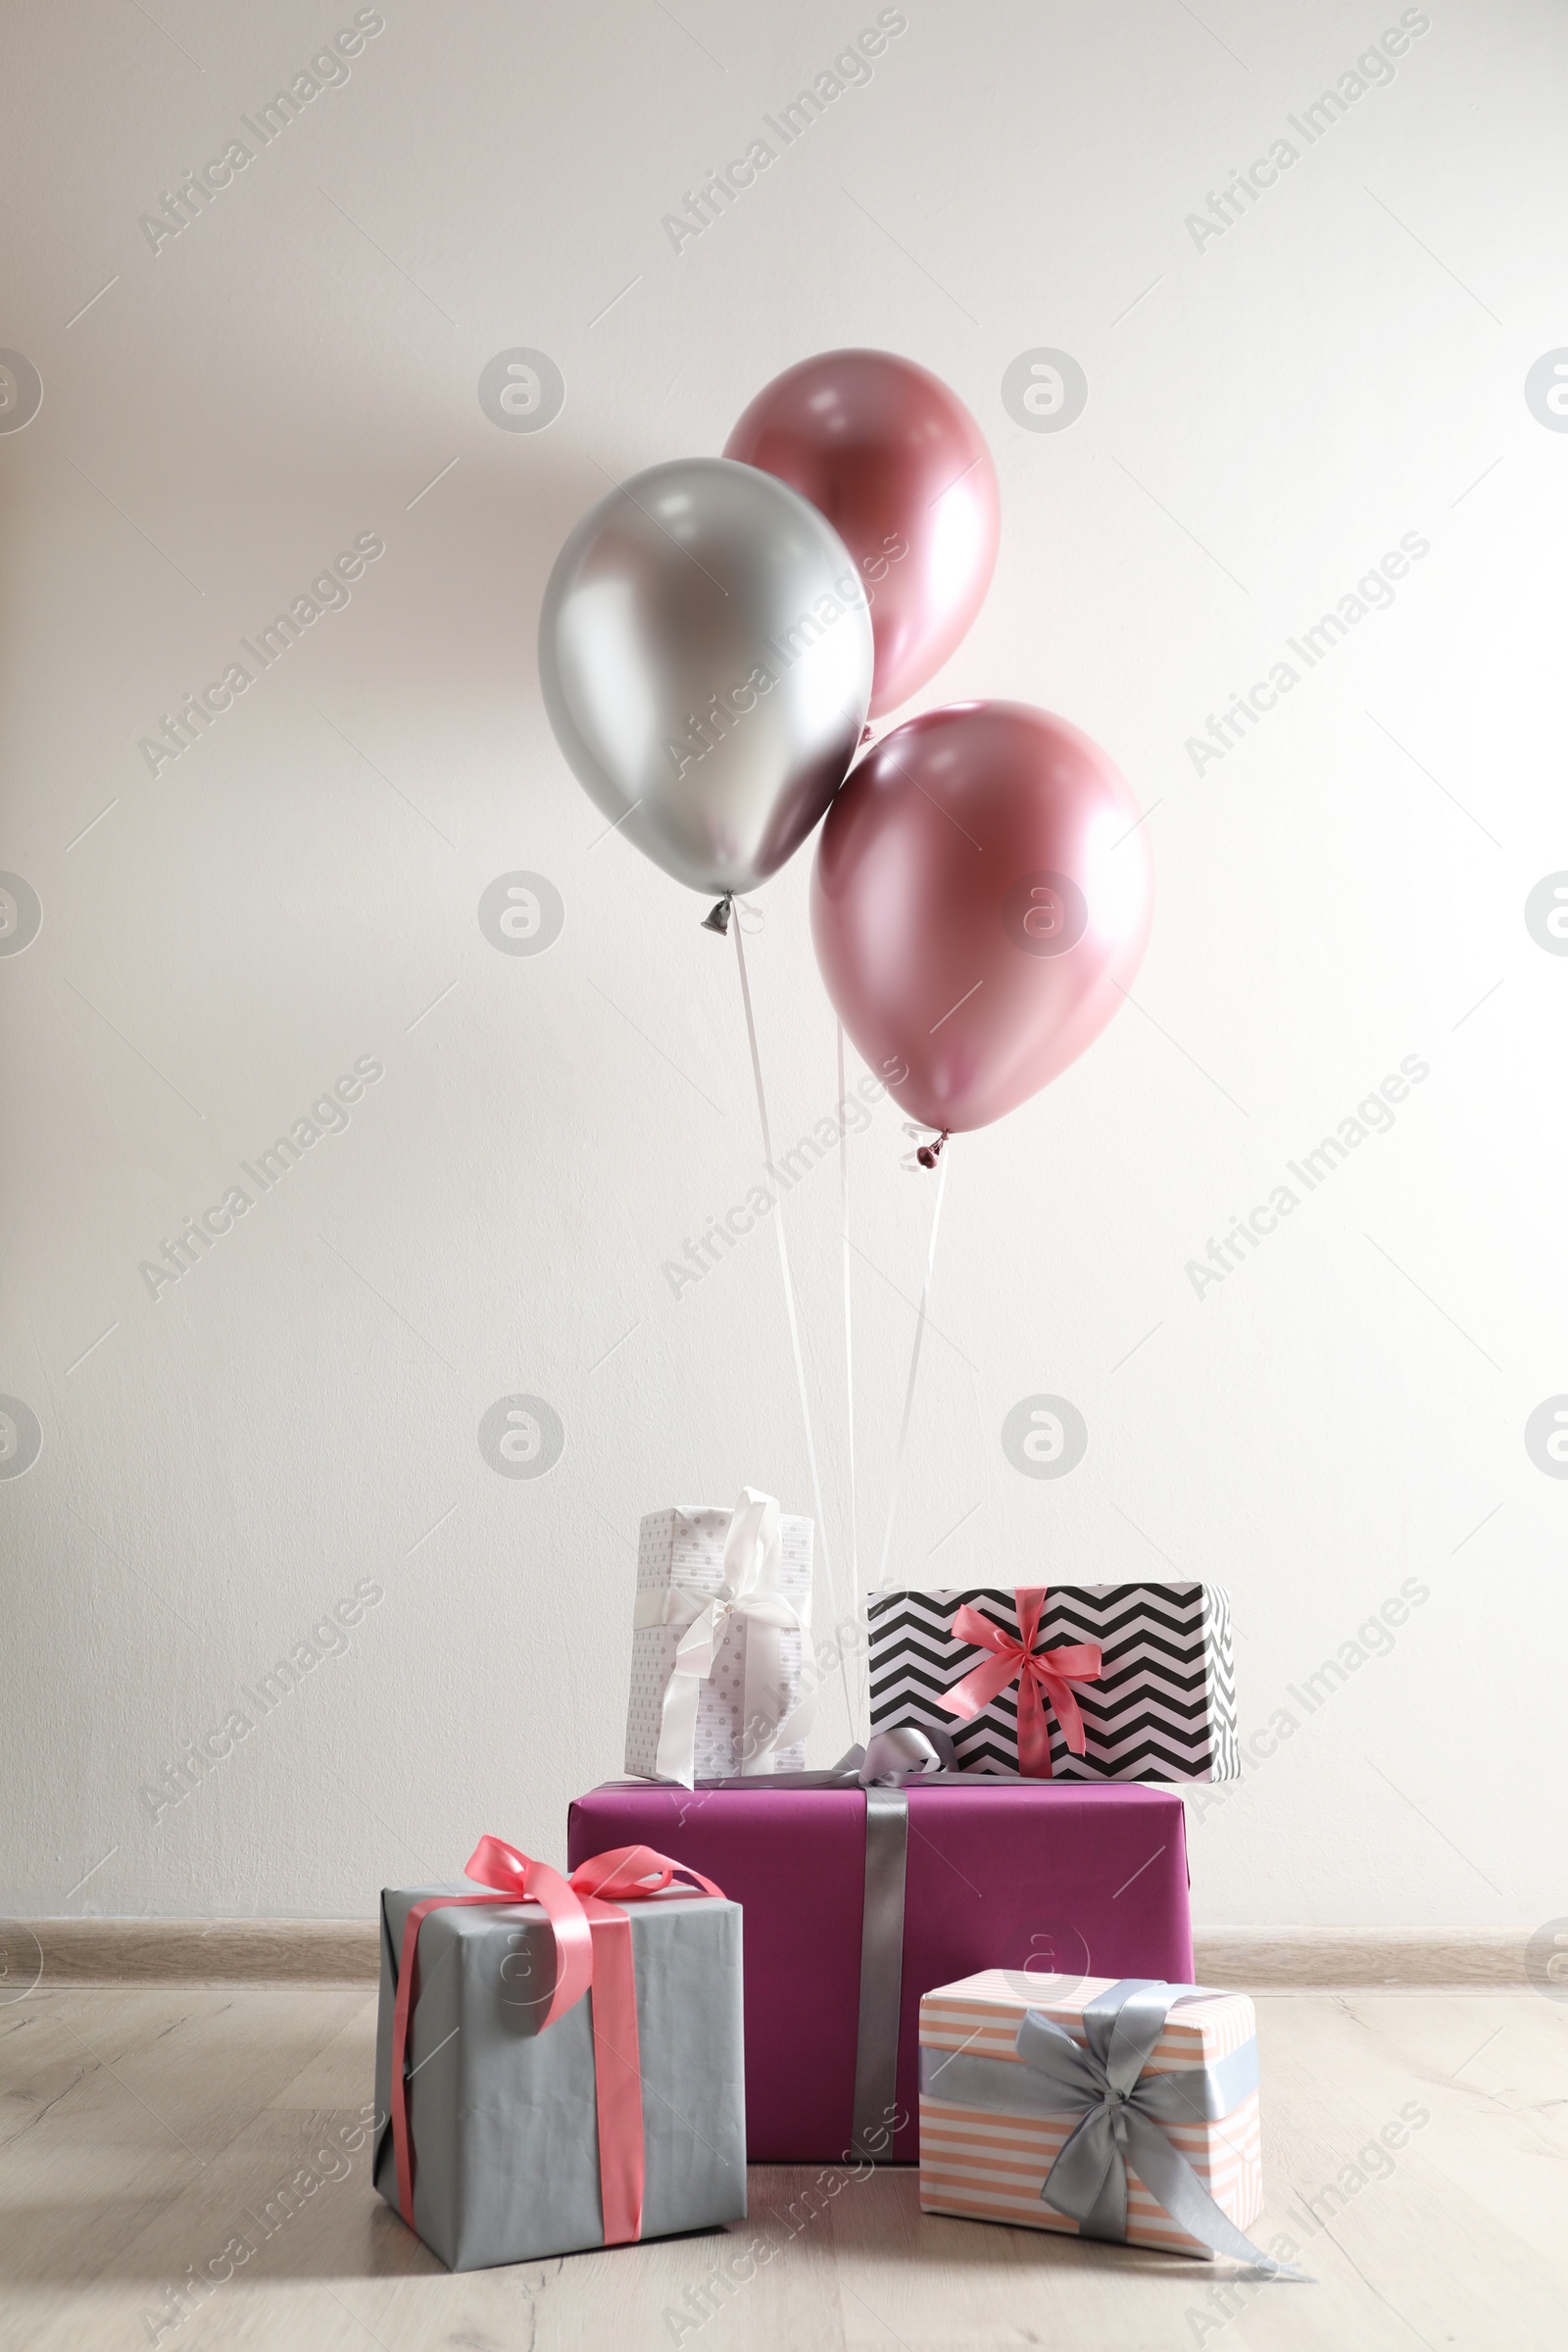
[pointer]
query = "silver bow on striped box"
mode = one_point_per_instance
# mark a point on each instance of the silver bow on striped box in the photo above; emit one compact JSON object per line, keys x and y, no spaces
{"x":1126,"y":2111}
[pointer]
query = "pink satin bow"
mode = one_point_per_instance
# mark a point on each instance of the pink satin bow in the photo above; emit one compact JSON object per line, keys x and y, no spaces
{"x":593,"y":1950}
{"x":1016,"y":1659}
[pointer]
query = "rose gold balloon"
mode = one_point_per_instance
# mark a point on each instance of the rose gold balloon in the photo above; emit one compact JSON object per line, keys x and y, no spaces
{"x":901,"y":470}
{"x":981,"y":898}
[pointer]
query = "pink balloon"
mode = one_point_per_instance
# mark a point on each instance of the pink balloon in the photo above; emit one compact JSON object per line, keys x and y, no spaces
{"x":902,"y":472}
{"x":981,"y":898}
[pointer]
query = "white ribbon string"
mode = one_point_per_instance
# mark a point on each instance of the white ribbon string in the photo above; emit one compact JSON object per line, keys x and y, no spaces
{"x":915,"y":1367}
{"x":752,"y":1590}
{"x":795,"y":1334}
{"x":849,"y":1349}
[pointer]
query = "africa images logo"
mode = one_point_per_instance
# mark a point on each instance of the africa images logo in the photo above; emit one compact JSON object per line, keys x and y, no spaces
{"x":178,"y":206}
{"x":722,"y":714}
{"x":328,"y":1115}
{"x":521,"y":914}
{"x":1374,"y":1114}
{"x":1545,"y":912}
{"x":521,"y":390}
{"x":21,"y":391}
{"x":706,"y":203}
{"x":1045,"y":1436}
{"x":1373,"y":70}
{"x":20,"y":914}
{"x":1044,"y":913}
{"x":521,"y":1437}
{"x":20,"y":1437}
{"x":1546,"y":1437}
{"x":1373,"y":591}
{"x":1044,"y":390}
{"x":178,"y":731}
{"x":1545,"y":391}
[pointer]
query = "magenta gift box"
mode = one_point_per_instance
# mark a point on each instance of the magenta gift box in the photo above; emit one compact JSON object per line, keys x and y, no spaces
{"x":1040,"y":1875}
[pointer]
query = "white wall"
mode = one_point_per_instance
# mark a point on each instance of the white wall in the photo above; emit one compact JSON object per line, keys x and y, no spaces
{"x":1343,"y":366}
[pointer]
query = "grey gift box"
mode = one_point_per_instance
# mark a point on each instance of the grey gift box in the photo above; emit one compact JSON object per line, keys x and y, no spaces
{"x":501,"y":2117}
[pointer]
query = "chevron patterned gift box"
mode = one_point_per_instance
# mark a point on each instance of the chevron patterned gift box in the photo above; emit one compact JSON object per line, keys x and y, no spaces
{"x":1077,"y":1681}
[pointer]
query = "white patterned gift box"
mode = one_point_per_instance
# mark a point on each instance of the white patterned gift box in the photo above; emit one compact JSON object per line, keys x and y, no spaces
{"x":1159,"y":1705}
{"x":721,"y":1684}
{"x":1015,"y":2067}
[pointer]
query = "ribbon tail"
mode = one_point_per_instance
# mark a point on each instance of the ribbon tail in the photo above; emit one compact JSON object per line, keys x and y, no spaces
{"x":764,"y":1688}
{"x":901,"y":1753}
{"x":769,"y":1721}
{"x":875,"y":2115}
{"x":752,"y":1542}
{"x":1034,"y":1732}
{"x":1088,"y":2182}
{"x":1059,"y":1670}
{"x":1166,"y":2174}
{"x":676,"y":1756}
{"x":618,"y":2075}
{"x":1062,"y":1698}
{"x":753,"y":1573}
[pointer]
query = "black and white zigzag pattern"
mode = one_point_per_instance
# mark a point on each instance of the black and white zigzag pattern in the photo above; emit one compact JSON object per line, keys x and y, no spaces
{"x":1163,"y":1709}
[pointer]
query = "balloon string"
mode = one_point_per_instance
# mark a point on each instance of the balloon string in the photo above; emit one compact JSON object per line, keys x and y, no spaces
{"x":849,"y":1349}
{"x":794,"y":1331}
{"x":915,"y":1367}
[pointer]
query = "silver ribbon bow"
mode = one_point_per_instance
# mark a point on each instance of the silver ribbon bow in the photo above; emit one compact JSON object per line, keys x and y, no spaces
{"x":895,"y":1756}
{"x":1122,"y":2112}
{"x":751,"y":1589}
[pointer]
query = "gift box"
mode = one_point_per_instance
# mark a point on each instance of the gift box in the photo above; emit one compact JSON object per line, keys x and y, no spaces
{"x":720,"y":1684}
{"x":563,"y":2069}
{"x":859,"y":1899}
{"x":1076,"y":1681}
{"x":1120,"y":2110}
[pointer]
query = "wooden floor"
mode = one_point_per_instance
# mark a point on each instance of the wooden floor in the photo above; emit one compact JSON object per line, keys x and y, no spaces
{"x":142,"y":2130}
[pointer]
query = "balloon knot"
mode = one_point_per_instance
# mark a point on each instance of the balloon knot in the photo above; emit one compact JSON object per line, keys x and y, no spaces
{"x":718,"y":919}
{"x":927,"y":1154}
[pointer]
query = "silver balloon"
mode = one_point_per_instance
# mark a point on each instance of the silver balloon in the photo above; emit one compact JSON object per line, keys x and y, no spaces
{"x":705,"y":652}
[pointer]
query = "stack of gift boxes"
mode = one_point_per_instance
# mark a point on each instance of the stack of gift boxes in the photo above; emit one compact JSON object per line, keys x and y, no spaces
{"x":967,"y":1945}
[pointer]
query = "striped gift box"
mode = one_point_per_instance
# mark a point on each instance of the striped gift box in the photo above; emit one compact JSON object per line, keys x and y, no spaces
{"x":991,"y":2166}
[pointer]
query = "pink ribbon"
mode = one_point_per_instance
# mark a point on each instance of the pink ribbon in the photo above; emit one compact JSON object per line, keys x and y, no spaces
{"x":593,"y":1951}
{"x":1039,"y":1674}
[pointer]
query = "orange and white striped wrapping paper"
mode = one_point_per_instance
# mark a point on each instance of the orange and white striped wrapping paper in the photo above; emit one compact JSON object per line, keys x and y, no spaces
{"x":990,"y":2166}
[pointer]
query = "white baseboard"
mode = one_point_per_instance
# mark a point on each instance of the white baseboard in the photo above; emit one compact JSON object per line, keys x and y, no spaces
{"x":317,"y":1951}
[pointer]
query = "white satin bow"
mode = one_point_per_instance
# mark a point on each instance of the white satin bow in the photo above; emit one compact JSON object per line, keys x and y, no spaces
{"x":752,"y":1590}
